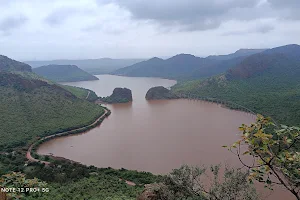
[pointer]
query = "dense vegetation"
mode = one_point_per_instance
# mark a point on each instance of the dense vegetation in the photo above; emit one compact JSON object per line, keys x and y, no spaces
{"x":93,"y":66}
{"x":64,"y":73}
{"x":119,"y":95}
{"x":67,"y":180}
{"x":32,"y":108}
{"x":7,"y":64}
{"x":274,"y":151}
{"x":185,"y":66}
{"x":265,"y":83}
{"x":81,"y":93}
{"x":192,"y":183}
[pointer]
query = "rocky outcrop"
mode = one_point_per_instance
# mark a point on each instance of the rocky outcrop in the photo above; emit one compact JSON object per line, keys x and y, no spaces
{"x":119,"y":95}
{"x":160,"y":92}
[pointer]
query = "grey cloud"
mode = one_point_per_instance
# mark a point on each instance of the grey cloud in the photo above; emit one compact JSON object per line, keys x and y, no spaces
{"x":110,"y":29}
{"x":60,"y":15}
{"x":288,"y":9}
{"x":12,"y":22}
{"x":262,"y":28}
{"x":190,"y":15}
{"x":285,"y":3}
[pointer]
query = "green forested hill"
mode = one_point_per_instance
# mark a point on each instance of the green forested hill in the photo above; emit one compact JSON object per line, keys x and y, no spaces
{"x":31,"y":108}
{"x":267,"y":83}
{"x":7,"y":64}
{"x":81,"y":93}
{"x":64,"y":73}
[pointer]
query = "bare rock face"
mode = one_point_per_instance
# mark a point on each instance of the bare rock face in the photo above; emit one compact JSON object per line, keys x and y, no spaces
{"x":160,"y":92}
{"x":119,"y":95}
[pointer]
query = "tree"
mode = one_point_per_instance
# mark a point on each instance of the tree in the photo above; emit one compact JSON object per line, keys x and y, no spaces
{"x":276,"y":158}
{"x":190,"y":183}
{"x":17,"y":181}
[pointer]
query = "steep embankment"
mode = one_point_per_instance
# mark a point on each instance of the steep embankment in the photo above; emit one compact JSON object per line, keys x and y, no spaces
{"x":267,"y":83}
{"x":64,"y":73}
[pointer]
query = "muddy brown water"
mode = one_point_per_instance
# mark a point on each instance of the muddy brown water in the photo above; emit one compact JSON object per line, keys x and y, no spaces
{"x":155,"y":136}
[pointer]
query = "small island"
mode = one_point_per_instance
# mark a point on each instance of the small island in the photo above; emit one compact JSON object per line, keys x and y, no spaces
{"x":119,"y":95}
{"x":160,"y":92}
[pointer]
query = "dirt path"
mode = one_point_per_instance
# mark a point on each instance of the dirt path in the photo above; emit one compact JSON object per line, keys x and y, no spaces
{"x":88,"y":94}
{"x":28,"y":154}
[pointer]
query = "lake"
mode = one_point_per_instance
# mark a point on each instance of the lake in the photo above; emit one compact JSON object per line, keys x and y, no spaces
{"x":155,"y":136}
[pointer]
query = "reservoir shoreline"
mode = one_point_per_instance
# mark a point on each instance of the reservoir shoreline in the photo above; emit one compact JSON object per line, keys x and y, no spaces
{"x":154,"y":136}
{"x":33,"y":147}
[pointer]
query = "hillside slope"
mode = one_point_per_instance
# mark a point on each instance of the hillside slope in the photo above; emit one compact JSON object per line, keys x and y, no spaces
{"x":64,"y":73}
{"x":267,"y":83}
{"x":32,"y":107}
{"x":185,"y":66}
{"x":10,"y":65}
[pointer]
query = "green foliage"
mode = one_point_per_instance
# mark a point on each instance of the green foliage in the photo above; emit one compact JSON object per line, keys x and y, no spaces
{"x":17,"y":181}
{"x":34,"y":109}
{"x":81,"y":93}
{"x":274,"y":93}
{"x":276,"y":158}
{"x":67,"y":180}
{"x":94,"y":187}
{"x":266,"y":83}
{"x":188,"y":183}
{"x":64,"y":73}
{"x":114,"y":100}
{"x":9,"y":65}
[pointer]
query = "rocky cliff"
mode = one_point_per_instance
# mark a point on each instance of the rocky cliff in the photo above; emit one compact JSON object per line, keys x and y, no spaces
{"x":119,"y":95}
{"x":160,"y":93}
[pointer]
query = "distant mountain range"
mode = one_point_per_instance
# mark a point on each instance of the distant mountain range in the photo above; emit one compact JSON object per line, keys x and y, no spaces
{"x":267,"y":82}
{"x":93,"y":66}
{"x":186,"y":66}
{"x":238,"y":53}
{"x":64,"y":73}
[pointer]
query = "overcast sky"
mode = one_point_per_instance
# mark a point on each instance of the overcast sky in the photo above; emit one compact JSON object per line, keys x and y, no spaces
{"x":77,"y":29}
